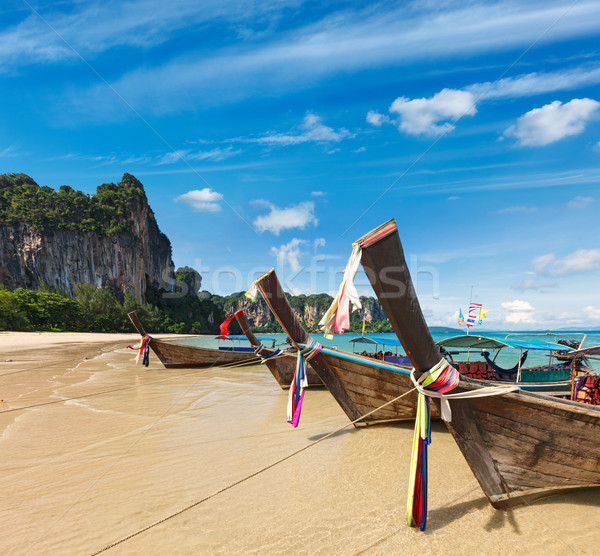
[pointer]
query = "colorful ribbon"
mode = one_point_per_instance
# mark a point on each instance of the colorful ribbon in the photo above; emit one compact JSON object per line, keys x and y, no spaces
{"x":441,"y":379}
{"x":224,"y":326}
{"x":143,"y":351}
{"x":253,"y":291}
{"x":337,"y":317}
{"x":300,"y":382}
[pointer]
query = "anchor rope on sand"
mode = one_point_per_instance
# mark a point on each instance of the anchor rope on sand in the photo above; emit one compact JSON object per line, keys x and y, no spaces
{"x":244,"y":479}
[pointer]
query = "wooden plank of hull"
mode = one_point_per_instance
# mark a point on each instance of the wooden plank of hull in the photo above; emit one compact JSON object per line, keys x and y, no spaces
{"x":538,"y":445}
{"x":173,"y":354}
{"x":282,"y":367}
{"x":520,"y":446}
{"x":371,"y":387}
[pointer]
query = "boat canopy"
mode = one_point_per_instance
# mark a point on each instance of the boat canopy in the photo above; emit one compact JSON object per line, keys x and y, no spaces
{"x":233,"y":337}
{"x":483,"y":342}
{"x":376,"y":340}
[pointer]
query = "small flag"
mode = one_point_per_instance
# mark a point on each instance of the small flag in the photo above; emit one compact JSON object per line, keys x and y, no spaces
{"x":364,"y":321}
{"x":461,"y":318}
{"x":474,"y":310}
{"x":482,"y":315}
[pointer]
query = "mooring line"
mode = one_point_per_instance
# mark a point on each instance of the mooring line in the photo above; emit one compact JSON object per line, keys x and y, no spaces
{"x":244,"y":479}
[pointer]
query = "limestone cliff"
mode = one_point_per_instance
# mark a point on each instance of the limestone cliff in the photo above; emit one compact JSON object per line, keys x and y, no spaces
{"x":308,"y":309}
{"x":58,"y":239}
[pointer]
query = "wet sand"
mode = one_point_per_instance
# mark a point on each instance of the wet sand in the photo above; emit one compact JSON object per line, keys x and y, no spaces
{"x":95,"y":448}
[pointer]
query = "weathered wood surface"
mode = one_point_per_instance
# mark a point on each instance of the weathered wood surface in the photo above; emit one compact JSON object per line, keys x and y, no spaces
{"x":358,"y":387}
{"x":521,"y":446}
{"x":175,"y":354}
{"x":282,"y":366}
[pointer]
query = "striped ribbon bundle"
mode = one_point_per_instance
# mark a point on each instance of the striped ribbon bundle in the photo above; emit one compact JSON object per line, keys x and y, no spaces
{"x":258,"y":349}
{"x":144,"y":351}
{"x":441,"y":379}
{"x":300,"y":382}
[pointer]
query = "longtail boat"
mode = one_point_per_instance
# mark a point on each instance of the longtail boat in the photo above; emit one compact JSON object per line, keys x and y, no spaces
{"x":359,"y":384}
{"x":283,"y":364}
{"x":521,"y":446}
{"x":177,"y":354}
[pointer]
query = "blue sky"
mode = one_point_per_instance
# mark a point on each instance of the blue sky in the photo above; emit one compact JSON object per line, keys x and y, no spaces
{"x":275,"y":133}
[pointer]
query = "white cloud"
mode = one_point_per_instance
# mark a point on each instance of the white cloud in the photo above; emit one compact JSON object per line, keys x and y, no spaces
{"x":201,"y":200}
{"x":376,"y":119}
{"x":532,"y":285}
{"x":431,"y":116}
{"x":311,"y":130}
{"x":591,"y":312}
{"x":536,"y":83}
{"x":317,"y":193}
{"x":319,"y":242}
{"x":552,"y":122}
{"x":519,"y":312}
{"x":578,"y":262}
{"x":580,"y":202}
{"x":215,"y":155}
{"x":289,"y":254}
{"x":515,"y":209}
{"x":278,"y":219}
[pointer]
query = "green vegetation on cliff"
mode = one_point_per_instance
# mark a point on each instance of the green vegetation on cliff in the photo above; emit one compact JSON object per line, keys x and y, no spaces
{"x":24,"y":201}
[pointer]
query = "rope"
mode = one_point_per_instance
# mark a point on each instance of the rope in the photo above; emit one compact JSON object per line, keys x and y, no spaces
{"x":434,"y":383}
{"x":244,"y":479}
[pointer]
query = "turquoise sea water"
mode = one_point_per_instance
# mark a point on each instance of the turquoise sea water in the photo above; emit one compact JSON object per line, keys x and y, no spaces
{"x":507,"y":357}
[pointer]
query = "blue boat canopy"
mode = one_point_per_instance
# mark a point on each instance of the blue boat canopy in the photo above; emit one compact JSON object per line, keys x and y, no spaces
{"x":483,"y":342}
{"x":376,"y":340}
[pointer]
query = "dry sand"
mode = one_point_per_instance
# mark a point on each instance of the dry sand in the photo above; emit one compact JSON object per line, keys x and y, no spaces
{"x":95,"y":449}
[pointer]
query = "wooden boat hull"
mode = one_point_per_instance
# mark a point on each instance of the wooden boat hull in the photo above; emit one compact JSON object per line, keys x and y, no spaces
{"x":283,"y":367}
{"x":521,"y":446}
{"x":176,"y":354}
{"x":371,"y":384}
{"x":524,"y":446}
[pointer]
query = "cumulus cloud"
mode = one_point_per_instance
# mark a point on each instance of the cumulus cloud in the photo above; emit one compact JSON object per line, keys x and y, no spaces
{"x":552,"y":122}
{"x":201,"y":200}
{"x":289,"y":254}
{"x":591,"y":312}
{"x":580,"y":202}
{"x":431,"y":116}
{"x":580,"y":261}
{"x":376,"y":119}
{"x":519,"y":312}
{"x":311,"y":130}
{"x":278,"y":219}
{"x":532,"y":285}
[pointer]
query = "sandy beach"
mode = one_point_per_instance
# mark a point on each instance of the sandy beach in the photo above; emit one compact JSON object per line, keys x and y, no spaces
{"x":184,"y":461}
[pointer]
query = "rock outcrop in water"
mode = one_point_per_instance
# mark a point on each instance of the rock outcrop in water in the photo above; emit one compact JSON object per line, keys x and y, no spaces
{"x":56,"y":239}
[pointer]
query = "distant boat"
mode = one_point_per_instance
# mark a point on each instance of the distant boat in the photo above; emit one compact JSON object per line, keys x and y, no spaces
{"x":553,"y":377}
{"x":521,"y":446}
{"x":359,"y":384}
{"x":282,"y":365}
{"x":177,"y":354}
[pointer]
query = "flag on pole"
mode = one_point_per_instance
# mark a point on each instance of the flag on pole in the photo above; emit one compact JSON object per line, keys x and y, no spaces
{"x":461,"y":318}
{"x":474,"y":310}
{"x":482,"y":315}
